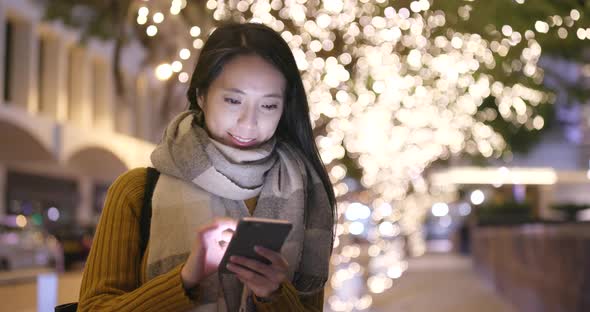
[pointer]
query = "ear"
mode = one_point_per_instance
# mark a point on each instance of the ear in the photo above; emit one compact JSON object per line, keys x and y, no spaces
{"x":200,"y":100}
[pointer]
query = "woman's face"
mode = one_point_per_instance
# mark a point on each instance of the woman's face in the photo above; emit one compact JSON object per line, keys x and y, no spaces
{"x":245,"y":102}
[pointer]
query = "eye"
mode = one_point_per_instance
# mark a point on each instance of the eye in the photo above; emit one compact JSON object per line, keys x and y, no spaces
{"x":270,"y":106}
{"x":231,"y":100}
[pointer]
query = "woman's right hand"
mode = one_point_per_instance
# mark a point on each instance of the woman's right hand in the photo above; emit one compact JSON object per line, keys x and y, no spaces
{"x":210,"y":245}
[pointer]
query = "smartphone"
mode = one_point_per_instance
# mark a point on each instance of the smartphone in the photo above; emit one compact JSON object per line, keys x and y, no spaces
{"x":250,"y":232}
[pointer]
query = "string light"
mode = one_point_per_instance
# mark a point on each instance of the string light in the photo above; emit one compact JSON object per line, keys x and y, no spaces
{"x":575,"y":14}
{"x":183,"y":77}
{"x":152,"y":30}
{"x":164,"y":71}
{"x":176,"y":66}
{"x":143,"y":11}
{"x":198,"y":44}
{"x":541,"y":26}
{"x":158,"y":17}
{"x":195,"y":31}
{"x":185,"y":54}
{"x":141,"y":19}
{"x":176,"y":6}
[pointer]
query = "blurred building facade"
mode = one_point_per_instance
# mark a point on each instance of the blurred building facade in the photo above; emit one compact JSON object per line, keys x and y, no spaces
{"x":64,"y":133}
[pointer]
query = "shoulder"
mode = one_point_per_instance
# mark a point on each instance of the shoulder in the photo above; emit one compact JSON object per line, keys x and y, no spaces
{"x":124,"y":200}
{"x":131,"y":180}
{"x":129,"y":188}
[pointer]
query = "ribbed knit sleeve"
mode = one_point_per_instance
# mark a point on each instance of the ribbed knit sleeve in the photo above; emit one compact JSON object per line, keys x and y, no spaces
{"x":288,"y":300}
{"x":112,"y":276}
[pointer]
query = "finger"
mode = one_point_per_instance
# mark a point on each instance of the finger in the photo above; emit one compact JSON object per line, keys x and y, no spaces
{"x":226,"y":223}
{"x":270,"y":272}
{"x":257,"y":289}
{"x":245,"y":274}
{"x":223,"y":236}
{"x":217,"y":227}
{"x":229,"y":231}
{"x":242,"y":280}
{"x":219,"y":223}
{"x":207,"y":232}
{"x":273,"y":256}
{"x":207,"y":227}
{"x":263,"y":289}
{"x":253,"y":265}
{"x":225,"y":231}
{"x":227,"y":235}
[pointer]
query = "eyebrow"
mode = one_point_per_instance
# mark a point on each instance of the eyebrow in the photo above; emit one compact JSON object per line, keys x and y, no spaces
{"x":272,"y":95}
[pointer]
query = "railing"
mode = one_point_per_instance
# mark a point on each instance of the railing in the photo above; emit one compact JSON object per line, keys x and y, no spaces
{"x":539,"y":267}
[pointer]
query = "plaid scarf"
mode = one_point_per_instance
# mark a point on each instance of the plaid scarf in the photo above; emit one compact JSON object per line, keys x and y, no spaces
{"x":203,"y":179}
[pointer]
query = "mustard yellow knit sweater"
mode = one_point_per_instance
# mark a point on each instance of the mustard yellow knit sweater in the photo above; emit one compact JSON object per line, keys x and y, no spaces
{"x":114,"y":275}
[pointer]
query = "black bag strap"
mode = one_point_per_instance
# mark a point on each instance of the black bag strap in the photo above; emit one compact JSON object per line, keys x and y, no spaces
{"x":146,"y":209}
{"x":67,"y":307}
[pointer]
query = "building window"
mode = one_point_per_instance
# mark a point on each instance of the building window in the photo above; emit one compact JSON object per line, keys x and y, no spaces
{"x":49,"y":202}
{"x":41,"y":70}
{"x":8,"y":60}
{"x":100,"y":194}
{"x":70,"y":81}
{"x":96,"y":91}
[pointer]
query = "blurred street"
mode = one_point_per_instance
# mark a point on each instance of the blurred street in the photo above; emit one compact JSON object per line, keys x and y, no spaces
{"x":442,"y":283}
{"x":22,"y":296}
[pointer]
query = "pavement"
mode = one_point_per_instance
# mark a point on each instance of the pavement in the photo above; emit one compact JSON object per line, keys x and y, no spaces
{"x":21,"y":276}
{"x":19,"y":289}
{"x":441,"y":283}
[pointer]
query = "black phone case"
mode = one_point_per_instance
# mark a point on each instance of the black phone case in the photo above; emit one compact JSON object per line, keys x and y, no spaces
{"x":250,"y":232}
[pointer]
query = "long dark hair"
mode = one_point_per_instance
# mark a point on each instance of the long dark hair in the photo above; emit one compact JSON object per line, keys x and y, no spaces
{"x":231,"y":40}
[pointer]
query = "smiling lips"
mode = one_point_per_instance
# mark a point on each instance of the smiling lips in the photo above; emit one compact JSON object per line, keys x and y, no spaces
{"x":242,"y":141}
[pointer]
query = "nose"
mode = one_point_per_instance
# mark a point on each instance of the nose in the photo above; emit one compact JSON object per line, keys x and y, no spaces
{"x":248,"y":119}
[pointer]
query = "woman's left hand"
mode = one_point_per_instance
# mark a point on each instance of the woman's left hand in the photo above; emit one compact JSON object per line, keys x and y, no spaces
{"x":263,"y":279}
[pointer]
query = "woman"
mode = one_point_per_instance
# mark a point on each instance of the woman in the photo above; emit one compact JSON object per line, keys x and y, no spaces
{"x":245,"y":147}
